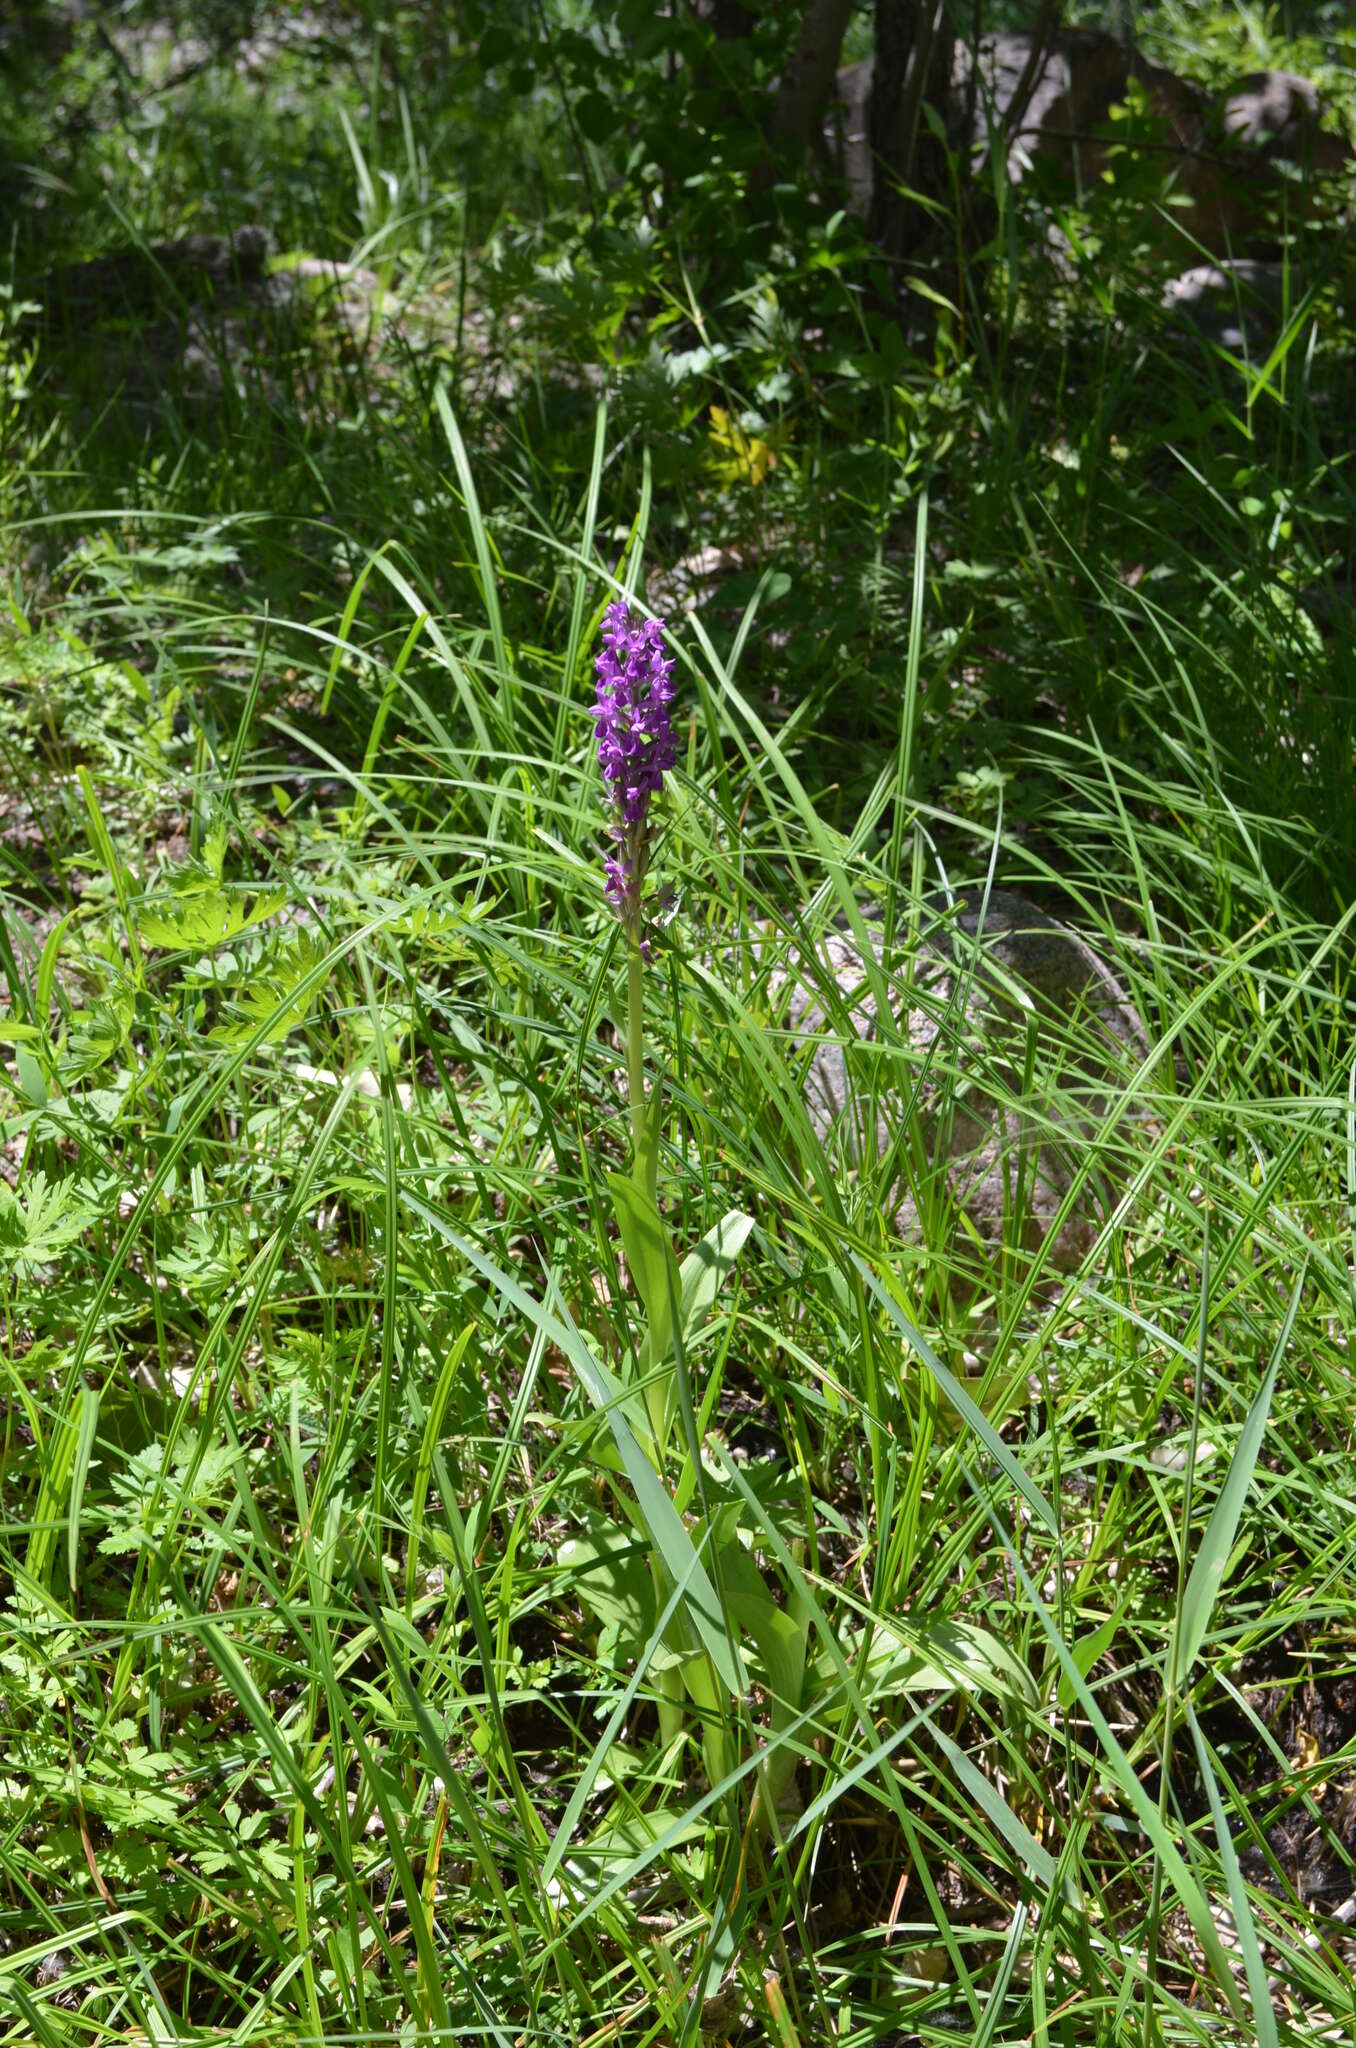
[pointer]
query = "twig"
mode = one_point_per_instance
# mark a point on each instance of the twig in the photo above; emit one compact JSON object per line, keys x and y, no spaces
{"x":1047,"y":21}
{"x":1042,"y":36}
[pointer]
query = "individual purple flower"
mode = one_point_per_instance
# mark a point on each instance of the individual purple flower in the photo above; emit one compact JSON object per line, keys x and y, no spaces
{"x":635,"y":749}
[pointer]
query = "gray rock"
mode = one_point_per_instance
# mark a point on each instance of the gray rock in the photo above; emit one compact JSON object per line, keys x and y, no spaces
{"x":1277,"y":112}
{"x":1084,"y":74}
{"x":1010,"y":1043}
{"x":341,"y":276}
{"x":1227,"y":156}
{"x":1238,"y":304}
{"x":1260,"y":143}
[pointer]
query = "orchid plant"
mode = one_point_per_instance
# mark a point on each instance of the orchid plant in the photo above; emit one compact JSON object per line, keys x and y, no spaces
{"x":632,"y":713}
{"x":688,"y":1601}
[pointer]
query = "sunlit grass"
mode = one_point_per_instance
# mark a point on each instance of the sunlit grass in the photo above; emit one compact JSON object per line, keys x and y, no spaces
{"x":335,"y":1700}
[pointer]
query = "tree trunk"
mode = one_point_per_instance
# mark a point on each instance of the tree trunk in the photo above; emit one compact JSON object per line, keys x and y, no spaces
{"x":807,"y":82}
{"x":915,"y":48}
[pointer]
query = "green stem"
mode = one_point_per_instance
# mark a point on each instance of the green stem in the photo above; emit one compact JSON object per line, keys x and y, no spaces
{"x":1151,"y":2032}
{"x":635,"y":1042}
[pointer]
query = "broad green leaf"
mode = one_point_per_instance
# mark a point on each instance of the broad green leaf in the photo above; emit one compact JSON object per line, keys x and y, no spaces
{"x":606,"y":1569}
{"x":980,"y":1658}
{"x":780,"y":1643}
{"x":662,"y":1520}
{"x":645,"y":1165}
{"x":777,"y":1636}
{"x":31,"y":1078}
{"x":944,"y":1657}
{"x":703,"y":1272}
{"x":779,"y":1640}
{"x":650,"y":1257}
{"x":700,"y":1278}
{"x":630,"y":1839}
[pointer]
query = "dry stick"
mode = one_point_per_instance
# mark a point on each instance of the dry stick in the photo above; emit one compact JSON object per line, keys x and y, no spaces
{"x":972,"y":82}
{"x":916,"y":88}
{"x":1047,"y":22}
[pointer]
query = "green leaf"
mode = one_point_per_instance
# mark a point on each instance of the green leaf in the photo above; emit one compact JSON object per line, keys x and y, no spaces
{"x":596,"y":117}
{"x":1085,"y":1650}
{"x":40,"y":1220}
{"x":945,"y":1657}
{"x":57,"y":1465}
{"x":278,"y":998}
{"x":1263,"y":2012}
{"x":655,"y":1273}
{"x":199,"y":916}
{"x":700,"y":1278}
{"x":991,"y":1802}
{"x":84,"y":1444}
{"x":650,"y":1257}
{"x":480,"y":539}
{"x":779,"y":1639}
{"x":1207,"y":1573}
{"x":661,"y":1517}
{"x":31,"y":1077}
{"x":608,"y":1571}
{"x":630,"y":1837}
{"x":961,"y":1402}
{"x":645,"y":1165}
{"x":498,"y":45}
{"x":705,"y":1268}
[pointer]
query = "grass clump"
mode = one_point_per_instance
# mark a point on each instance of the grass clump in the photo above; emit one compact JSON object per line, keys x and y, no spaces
{"x":480,"y":1566}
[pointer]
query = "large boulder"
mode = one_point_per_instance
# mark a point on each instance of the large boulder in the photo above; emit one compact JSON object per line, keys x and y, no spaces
{"x":1261,"y":150}
{"x":1229,"y":159}
{"x":1080,"y":76}
{"x":1010,"y":1042}
{"x":1277,"y":112}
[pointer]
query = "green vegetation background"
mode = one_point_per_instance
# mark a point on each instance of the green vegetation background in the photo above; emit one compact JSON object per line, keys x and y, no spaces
{"x":324,"y":1635}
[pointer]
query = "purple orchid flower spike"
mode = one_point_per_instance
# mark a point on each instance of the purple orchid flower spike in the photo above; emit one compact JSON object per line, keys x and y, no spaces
{"x":636,"y":749}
